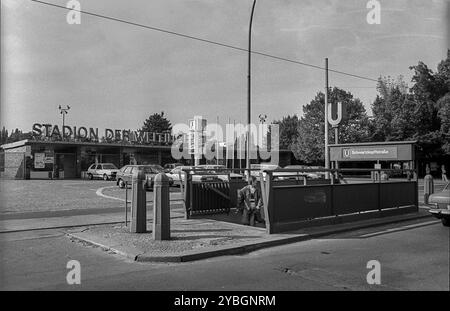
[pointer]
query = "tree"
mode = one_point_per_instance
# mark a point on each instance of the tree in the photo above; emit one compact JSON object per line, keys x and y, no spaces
{"x":419,"y":113}
{"x":394,"y":111}
{"x":444,"y":116}
{"x":309,"y":145}
{"x":17,"y":135}
{"x":157,"y":123}
{"x":3,"y":136}
{"x":288,"y":131}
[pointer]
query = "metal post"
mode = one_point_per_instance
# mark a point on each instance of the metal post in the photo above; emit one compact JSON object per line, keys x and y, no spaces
{"x":327,"y":164}
{"x":217,"y":142}
{"x":138,"y":203}
{"x":249,"y":90}
{"x":428,"y":186}
{"x":126,"y":203}
{"x":161,"y":208}
{"x":336,"y":135}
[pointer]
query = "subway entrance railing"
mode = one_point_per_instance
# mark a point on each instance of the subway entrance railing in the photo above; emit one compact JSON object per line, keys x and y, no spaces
{"x":293,"y":201}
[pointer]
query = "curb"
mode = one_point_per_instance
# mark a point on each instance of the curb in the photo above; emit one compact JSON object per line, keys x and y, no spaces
{"x":103,"y":247}
{"x":243,"y":248}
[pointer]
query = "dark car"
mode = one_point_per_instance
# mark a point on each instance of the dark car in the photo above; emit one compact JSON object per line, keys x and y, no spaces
{"x":440,"y":202}
{"x":125,"y":175}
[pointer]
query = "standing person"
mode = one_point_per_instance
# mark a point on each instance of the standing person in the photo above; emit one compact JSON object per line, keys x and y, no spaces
{"x":444,"y":173}
{"x":250,"y":203}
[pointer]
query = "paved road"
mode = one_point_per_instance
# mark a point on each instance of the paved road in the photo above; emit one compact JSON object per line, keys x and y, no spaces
{"x":413,"y":256}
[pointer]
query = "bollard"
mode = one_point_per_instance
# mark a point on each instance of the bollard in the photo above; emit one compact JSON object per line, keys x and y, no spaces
{"x":161,"y":208}
{"x":138,"y":203}
{"x":428,"y":187}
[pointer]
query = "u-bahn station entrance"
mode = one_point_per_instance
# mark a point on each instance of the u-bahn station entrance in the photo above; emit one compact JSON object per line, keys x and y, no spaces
{"x":399,"y":155}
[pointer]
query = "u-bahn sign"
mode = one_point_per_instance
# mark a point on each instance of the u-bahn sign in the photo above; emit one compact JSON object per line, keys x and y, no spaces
{"x":363,"y":153}
{"x":399,"y":151}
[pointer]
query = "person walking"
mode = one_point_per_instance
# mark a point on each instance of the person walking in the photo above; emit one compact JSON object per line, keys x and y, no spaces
{"x":444,"y":173}
{"x":250,"y":203}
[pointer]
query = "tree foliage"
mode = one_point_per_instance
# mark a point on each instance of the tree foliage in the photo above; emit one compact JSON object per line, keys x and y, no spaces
{"x":419,"y":113}
{"x":157,"y":123}
{"x":310,"y":143}
{"x":288,"y":131}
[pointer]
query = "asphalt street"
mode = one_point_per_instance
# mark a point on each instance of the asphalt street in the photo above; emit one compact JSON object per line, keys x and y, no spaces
{"x":412,"y":255}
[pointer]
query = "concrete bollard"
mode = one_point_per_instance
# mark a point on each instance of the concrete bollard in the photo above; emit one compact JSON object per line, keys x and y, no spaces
{"x":161,"y":208}
{"x":428,"y":187}
{"x":138,"y":203}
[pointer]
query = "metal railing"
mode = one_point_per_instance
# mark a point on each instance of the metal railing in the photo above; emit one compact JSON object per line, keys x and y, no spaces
{"x":376,"y":193}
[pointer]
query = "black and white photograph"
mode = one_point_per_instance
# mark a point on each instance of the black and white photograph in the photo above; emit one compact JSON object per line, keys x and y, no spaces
{"x":225,"y":152}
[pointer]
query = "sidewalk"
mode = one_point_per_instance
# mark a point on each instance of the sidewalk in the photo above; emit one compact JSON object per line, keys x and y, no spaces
{"x":25,"y":224}
{"x":196,"y":239}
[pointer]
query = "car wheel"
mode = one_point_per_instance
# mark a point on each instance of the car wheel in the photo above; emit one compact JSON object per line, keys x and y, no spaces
{"x":105,"y":177}
{"x":121,"y":183}
{"x":90,"y":176}
{"x":446,"y":222}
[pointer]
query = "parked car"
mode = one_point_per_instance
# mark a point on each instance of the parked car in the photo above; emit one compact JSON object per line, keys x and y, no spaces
{"x":170,"y":166}
{"x":264,"y":167}
{"x":177,"y":175}
{"x":440,"y":202}
{"x":221,"y":171}
{"x":310,"y":175}
{"x":106,"y":171}
{"x":125,"y":175}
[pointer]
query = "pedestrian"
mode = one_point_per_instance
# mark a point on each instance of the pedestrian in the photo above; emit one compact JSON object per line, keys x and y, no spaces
{"x":444,"y":173}
{"x":250,"y":203}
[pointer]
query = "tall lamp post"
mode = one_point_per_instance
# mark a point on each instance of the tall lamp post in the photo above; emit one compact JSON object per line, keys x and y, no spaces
{"x":249,"y":89}
{"x":327,"y":161}
{"x":63,"y":111}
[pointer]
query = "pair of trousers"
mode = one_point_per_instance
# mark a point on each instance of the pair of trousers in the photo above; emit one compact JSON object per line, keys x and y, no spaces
{"x":250,"y":216}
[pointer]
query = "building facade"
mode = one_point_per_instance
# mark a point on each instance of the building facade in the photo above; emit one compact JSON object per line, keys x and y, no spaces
{"x":37,"y":159}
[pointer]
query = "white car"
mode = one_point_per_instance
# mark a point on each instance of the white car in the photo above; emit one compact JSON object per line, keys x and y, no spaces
{"x":221,"y":172}
{"x":106,"y":171}
{"x":309,"y":175}
{"x":177,"y":175}
{"x":263,"y":167}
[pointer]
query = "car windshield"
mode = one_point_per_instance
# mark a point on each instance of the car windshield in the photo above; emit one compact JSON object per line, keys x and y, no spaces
{"x":109,"y":167}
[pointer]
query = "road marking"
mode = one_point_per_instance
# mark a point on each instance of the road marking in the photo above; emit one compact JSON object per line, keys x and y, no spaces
{"x":99,"y":192}
{"x":391,"y":230}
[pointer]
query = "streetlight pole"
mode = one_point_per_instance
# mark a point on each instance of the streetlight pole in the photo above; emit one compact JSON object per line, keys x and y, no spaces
{"x":63,"y":111}
{"x":249,"y":89}
{"x":327,"y":162}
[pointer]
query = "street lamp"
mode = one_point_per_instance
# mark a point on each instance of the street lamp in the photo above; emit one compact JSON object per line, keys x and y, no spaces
{"x":63,"y":111}
{"x":249,"y":89}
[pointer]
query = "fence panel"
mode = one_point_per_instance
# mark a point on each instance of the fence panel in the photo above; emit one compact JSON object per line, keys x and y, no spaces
{"x":397,"y":194}
{"x":209,"y":198}
{"x":294,"y":203}
{"x":352,"y":198}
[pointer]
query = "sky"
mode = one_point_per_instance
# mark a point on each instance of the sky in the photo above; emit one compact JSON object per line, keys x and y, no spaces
{"x":114,"y":75}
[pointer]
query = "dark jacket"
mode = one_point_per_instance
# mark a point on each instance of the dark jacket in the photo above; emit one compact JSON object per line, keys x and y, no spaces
{"x":244,"y":198}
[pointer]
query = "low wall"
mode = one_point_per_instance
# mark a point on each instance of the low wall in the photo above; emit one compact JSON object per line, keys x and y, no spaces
{"x":292,"y":207}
